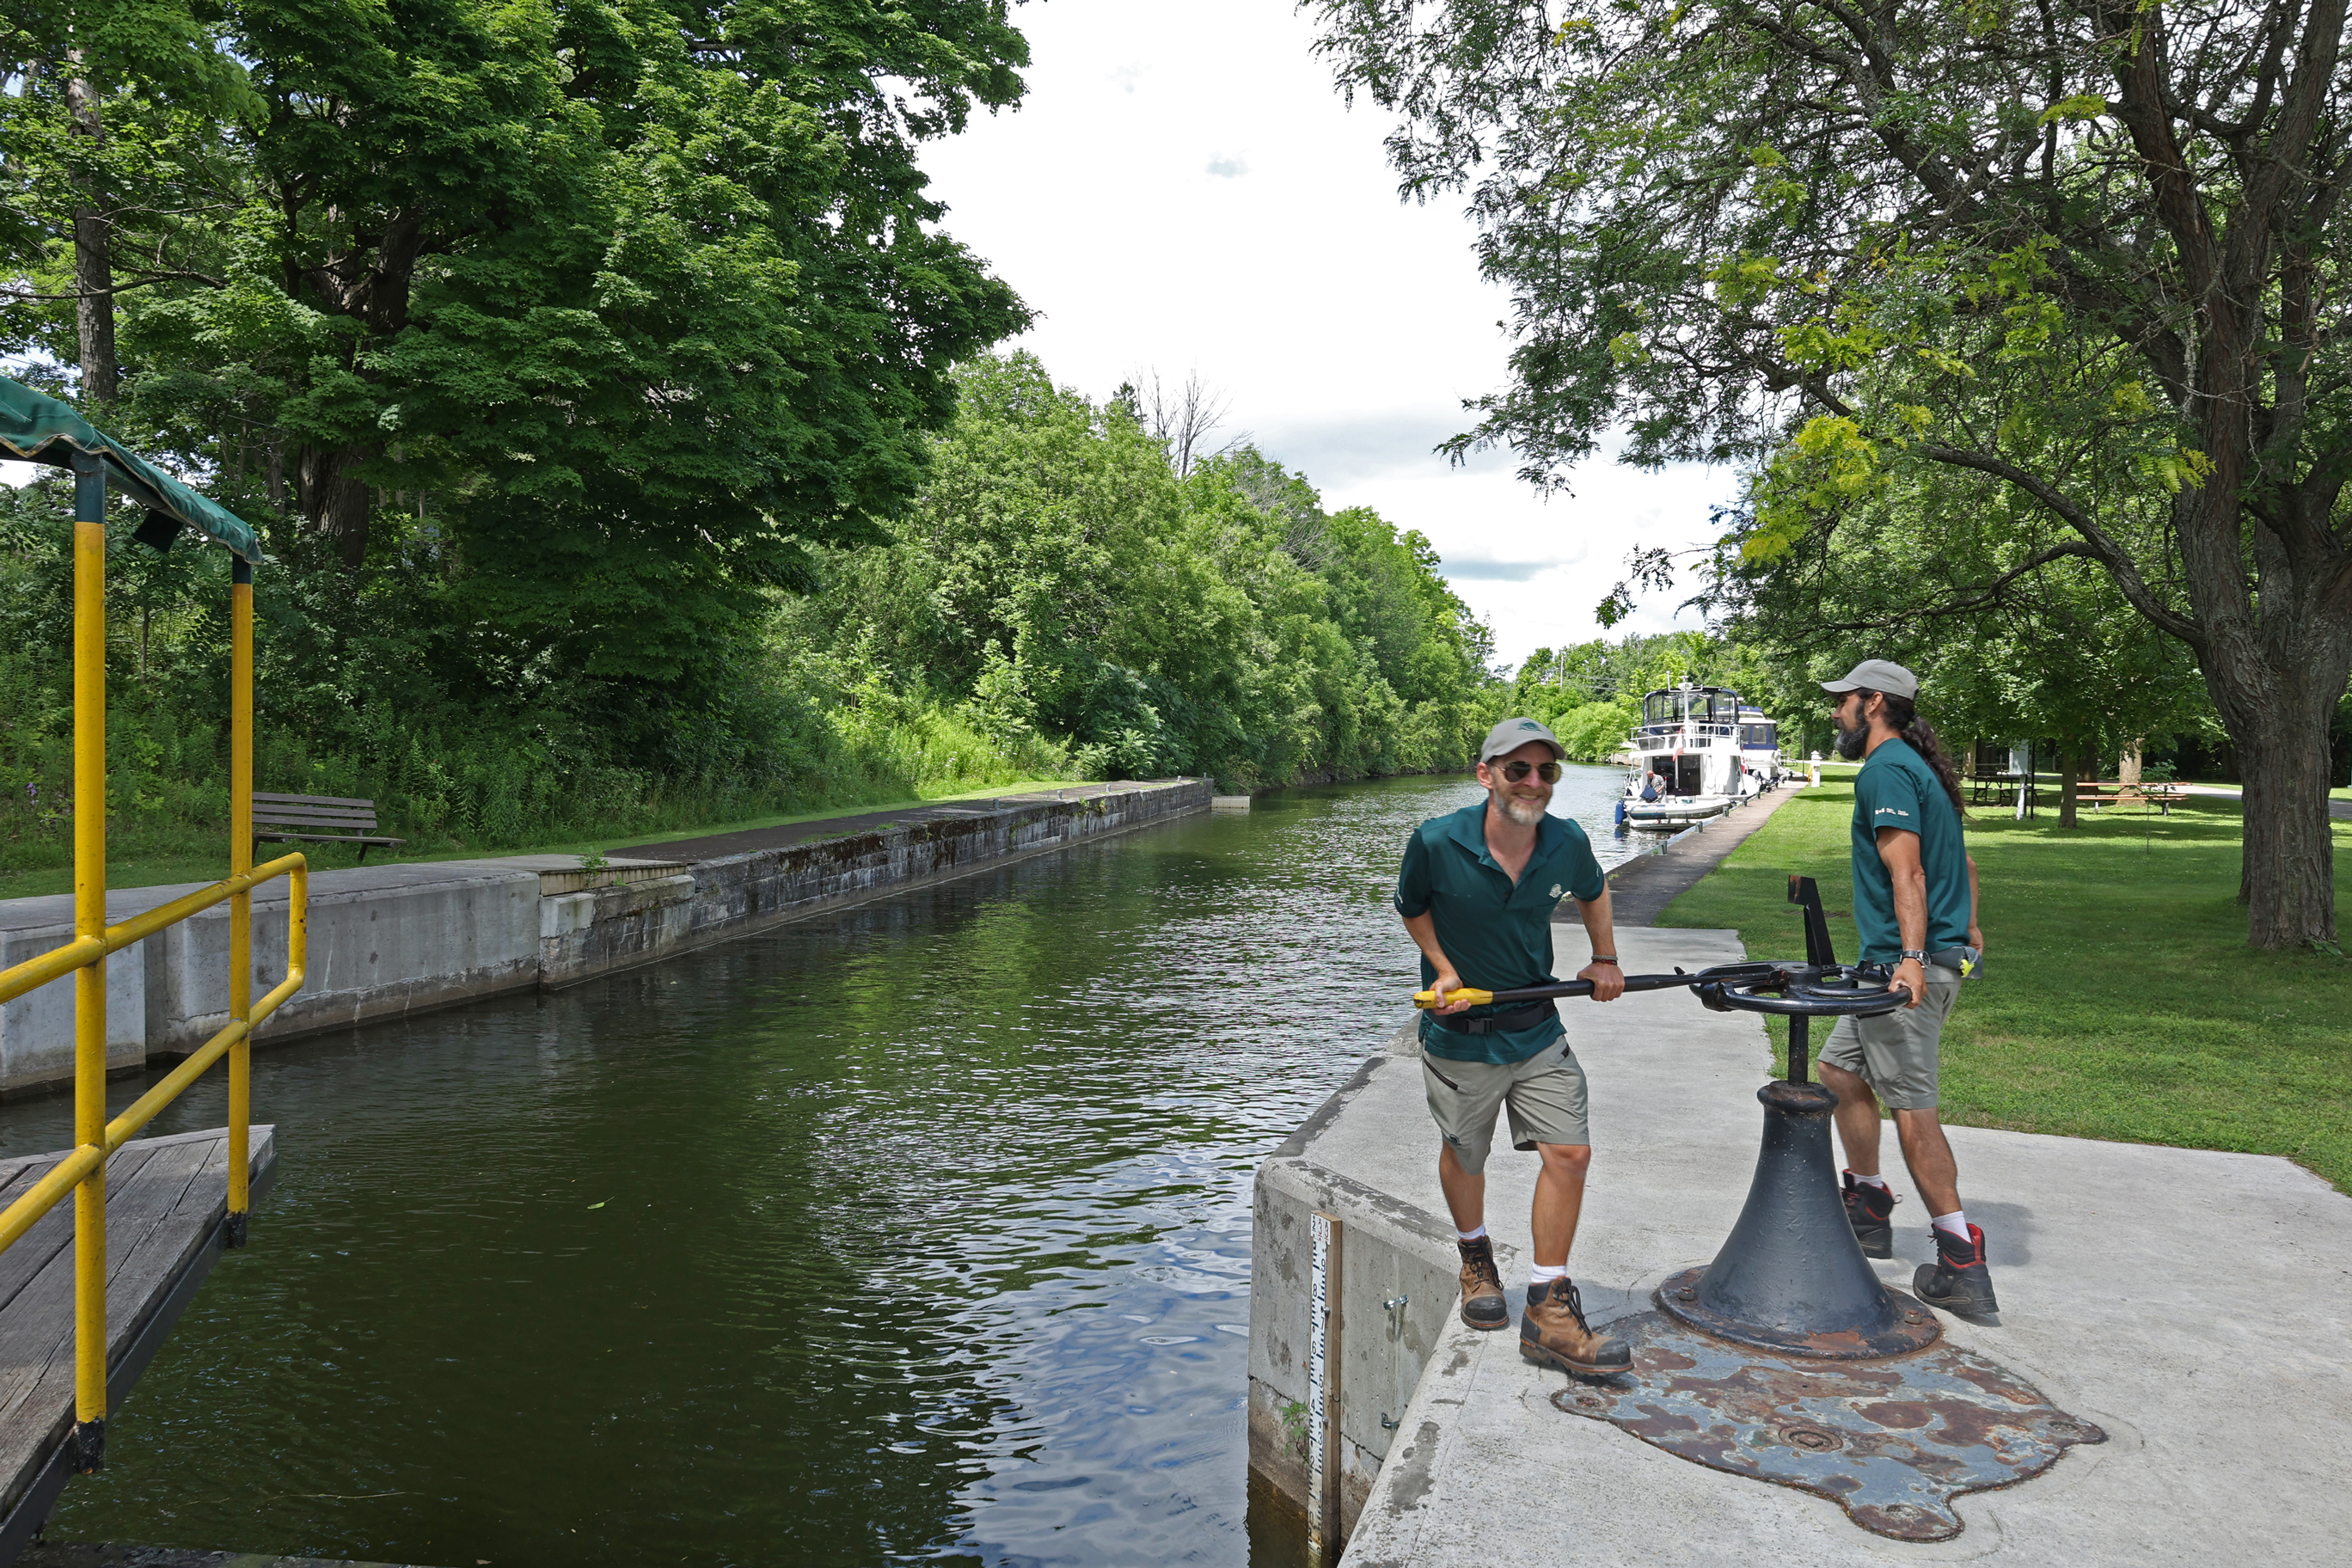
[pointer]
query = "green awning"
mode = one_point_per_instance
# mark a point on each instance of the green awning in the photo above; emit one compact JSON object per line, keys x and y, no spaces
{"x":43,"y":430}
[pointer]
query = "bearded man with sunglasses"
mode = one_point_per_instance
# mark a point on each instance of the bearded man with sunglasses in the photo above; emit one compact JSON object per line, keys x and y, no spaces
{"x":1476,"y":891}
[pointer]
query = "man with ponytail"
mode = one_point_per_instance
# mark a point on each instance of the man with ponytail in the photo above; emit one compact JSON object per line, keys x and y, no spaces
{"x":1915,"y":907}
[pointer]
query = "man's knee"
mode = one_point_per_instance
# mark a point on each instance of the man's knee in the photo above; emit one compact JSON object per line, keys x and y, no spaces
{"x":1846,"y":1086}
{"x":1566,"y":1158}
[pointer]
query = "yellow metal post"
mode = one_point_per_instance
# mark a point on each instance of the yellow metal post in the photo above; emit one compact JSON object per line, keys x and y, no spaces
{"x":89,"y":981}
{"x":240,"y":907}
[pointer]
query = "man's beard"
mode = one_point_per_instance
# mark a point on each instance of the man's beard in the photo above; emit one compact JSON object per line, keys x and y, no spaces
{"x":1526,"y":813}
{"x":1852,"y":744}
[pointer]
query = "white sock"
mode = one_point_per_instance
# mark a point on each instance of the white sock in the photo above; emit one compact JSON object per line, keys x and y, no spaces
{"x":1471,"y":1235}
{"x":1957,"y":1222}
{"x":1878,"y":1182}
{"x":1541,"y":1276}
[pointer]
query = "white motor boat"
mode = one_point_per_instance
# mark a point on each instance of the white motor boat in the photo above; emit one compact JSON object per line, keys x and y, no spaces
{"x":1759,"y":749}
{"x":1696,"y":752}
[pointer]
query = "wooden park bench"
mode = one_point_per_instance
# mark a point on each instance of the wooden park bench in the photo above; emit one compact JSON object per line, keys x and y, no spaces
{"x":356,"y":817}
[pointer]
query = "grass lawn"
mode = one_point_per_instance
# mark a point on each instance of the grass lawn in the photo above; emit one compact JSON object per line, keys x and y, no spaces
{"x":2118,"y":1000}
{"x":204,"y":857}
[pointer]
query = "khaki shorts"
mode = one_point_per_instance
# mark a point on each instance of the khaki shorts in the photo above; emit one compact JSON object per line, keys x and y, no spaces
{"x":1545,"y":1095}
{"x":1895,"y":1052}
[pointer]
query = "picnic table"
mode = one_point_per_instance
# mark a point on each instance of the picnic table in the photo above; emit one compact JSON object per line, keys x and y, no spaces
{"x":2001,"y":789}
{"x":2098,"y":793}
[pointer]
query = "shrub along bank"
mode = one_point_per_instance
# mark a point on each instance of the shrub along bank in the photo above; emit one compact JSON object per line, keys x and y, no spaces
{"x":1059,"y":601}
{"x":2118,"y":999}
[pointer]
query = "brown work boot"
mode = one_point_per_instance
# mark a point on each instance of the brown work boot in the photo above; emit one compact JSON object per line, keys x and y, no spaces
{"x":1553,"y":1332}
{"x":1482,"y":1305}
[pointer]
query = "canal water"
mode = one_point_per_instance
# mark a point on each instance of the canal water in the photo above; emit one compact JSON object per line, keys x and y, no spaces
{"x":919,"y":1234}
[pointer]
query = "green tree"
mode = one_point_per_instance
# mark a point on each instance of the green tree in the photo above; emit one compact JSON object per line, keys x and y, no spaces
{"x":604,"y":312}
{"x":1058,"y":578}
{"x":1984,"y":239}
{"x":1951,"y":575}
{"x":109,"y":113}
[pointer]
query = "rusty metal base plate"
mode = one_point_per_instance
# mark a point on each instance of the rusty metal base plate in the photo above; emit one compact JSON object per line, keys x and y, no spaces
{"x":1892,"y":1442}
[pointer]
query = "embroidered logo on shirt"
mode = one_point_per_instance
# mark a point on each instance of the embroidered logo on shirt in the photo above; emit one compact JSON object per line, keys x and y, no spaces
{"x":1555,"y":890}
{"x":1892,"y":810}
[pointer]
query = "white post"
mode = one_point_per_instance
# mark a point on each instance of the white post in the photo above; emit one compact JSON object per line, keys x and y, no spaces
{"x":1323,"y":1394}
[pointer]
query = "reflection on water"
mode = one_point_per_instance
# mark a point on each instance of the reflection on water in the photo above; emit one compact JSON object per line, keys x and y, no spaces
{"x":920,"y":1233}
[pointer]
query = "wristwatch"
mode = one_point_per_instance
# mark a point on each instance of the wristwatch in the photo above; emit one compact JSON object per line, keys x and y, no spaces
{"x":1919,"y":953}
{"x":1604,"y":958}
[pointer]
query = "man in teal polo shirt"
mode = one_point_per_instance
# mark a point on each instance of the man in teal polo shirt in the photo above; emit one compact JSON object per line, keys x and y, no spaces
{"x":1914,"y":908}
{"x":1476,"y":891}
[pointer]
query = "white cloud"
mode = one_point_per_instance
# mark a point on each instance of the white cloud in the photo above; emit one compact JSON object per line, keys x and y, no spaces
{"x":1345,"y":327}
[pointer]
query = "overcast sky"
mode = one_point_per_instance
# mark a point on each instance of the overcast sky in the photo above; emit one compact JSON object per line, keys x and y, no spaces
{"x":1183,"y":189}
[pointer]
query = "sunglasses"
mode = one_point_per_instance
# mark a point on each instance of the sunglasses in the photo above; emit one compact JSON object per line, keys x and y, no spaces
{"x":1548,"y":772}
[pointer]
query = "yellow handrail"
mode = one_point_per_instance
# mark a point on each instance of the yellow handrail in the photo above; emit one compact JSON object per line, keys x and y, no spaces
{"x":38,"y":1199}
{"x":82,"y":1170}
{"x":62,"y":961}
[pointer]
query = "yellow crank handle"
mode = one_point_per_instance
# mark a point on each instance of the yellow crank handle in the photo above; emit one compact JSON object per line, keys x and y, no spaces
{"x":1476,"y":998}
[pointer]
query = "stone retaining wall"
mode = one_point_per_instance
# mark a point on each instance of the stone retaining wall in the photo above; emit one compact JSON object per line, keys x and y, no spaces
{"x":386,"y":941}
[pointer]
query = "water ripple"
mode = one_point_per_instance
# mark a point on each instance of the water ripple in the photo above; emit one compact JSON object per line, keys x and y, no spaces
{"x":922,"y":1231}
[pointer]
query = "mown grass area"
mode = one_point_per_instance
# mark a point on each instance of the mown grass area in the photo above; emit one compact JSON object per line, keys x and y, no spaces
{"x":2118,"y":999}
{"x":152,"y":860}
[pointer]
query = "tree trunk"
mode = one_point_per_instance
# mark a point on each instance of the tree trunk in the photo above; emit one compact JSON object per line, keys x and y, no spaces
{"x":2066,"y":808}
{"x":2288,"y":880}
{"x":335,"y":498}
{"x":2276,"y":682}
{"x":93,"y":241}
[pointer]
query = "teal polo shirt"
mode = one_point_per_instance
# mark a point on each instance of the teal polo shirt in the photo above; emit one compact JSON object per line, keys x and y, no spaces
{"x":1896,"y":788}
{"x":1497,"y":934}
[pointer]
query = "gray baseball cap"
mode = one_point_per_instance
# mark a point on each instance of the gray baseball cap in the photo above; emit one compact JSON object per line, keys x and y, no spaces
{"x":1512,"y":733}
{"x":1877,"y":675}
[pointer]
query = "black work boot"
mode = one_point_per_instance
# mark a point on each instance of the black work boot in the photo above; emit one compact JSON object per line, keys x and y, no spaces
{"x":1869,"y":1210}
{"x":1553,"y":1332}
{"x":1482,"y":1305}
{"x":1956,"y":1282}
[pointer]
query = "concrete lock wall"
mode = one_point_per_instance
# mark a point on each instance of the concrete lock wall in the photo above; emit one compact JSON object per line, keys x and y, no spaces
{"x":385,"y":940}
{"x":36,"y":1028}
{"x":1390,"y":1250}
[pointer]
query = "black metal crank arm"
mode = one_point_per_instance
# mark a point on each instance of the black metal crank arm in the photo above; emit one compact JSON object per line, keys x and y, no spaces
{"x":1735,"y":973}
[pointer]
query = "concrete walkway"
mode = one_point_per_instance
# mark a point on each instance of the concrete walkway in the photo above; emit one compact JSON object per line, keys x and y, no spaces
{"x":2196,"y":1304}
{"x":1641,"y":888}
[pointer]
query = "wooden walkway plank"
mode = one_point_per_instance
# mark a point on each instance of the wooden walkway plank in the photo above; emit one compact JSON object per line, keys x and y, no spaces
{"x":165,"y":1200}
{"x":21,"y":1262}
{"x":41,"y":1314}
{"x":40,"y":1419}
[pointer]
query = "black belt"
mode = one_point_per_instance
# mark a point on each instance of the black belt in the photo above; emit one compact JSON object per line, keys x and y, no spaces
{"x":1526,"y":1017}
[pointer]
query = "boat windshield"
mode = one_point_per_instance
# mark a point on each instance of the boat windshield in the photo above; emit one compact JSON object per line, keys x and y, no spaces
{"x":1764,"y":736}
